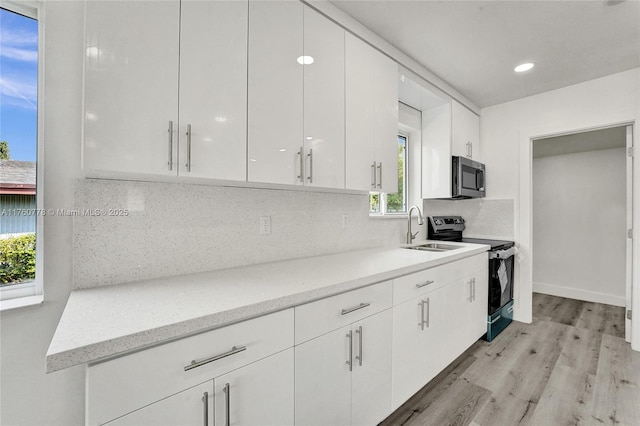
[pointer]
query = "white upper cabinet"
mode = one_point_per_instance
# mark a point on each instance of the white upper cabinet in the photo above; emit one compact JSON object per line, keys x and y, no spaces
{"x":371,"y":118}
{"x":275,"y":102}
{"x":213,"y":89}
{"x":296,"y":96}
{"x":465,"y":132}
{"x":323,"y":101}
{"x":141,"y":72}
{"x":131,"y":86}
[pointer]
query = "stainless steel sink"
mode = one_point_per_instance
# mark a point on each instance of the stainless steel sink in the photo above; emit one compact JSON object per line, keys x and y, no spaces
{"x":434,"y":247}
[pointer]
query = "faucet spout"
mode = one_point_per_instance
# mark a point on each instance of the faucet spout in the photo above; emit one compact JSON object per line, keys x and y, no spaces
{"x":410,"y":235}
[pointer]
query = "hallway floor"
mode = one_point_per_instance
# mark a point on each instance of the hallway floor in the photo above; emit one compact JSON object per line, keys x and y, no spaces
{"x":571,"y":366}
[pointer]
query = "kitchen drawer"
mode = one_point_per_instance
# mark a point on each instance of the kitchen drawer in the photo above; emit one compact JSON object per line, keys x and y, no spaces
{"x":121,"y":385}
{"x":412,"y":285}
{"x":322,"y":316}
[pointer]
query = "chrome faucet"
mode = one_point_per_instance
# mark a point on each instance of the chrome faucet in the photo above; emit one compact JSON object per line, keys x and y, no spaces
{"x":411,"y":236}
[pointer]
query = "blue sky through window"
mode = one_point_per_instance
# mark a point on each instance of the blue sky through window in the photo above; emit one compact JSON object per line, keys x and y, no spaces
{"x":19,"y":84}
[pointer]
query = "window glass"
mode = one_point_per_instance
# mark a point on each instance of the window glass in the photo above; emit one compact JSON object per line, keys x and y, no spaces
{"x":383,"y":203}
{"x":18,"y":148}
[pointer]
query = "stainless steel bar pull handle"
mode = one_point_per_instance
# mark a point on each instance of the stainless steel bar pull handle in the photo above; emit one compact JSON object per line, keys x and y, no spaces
{"x":227,"y":404}
{"x":301,"y":175}
{"x":428,"y":312}
{"x":424,"y":284}
{"x":422,"y":321}
{"x":188,"y":165}
{"x":474,"y":289}
{"x":471,"y":290}
{"x":359,"y":357}
{"x":205,"y":400}
{"x":355,"y":308}
{"x":350,"y":360}
{"x":234,"y":350}
{"x":380,"y":177}
{"x":170,"y":163}
{"x":310,"y":155}
{"x":373,"y":175}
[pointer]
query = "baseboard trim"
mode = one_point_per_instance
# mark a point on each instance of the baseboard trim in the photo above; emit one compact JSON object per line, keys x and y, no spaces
{"x":578,"y":294}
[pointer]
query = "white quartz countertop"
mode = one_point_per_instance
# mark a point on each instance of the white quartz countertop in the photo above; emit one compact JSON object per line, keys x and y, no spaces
{"x":102,"y":322}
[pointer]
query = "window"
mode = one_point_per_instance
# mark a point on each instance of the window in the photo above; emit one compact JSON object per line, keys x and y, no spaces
{"x":382,"y":203}
{"x":21,"y":217}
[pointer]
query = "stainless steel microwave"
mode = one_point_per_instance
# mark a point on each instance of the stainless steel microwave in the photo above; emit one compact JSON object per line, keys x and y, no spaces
{"x":467,"y":178}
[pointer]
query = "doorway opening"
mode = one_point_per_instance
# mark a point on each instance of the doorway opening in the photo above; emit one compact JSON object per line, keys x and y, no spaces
{"x":581,"y":213}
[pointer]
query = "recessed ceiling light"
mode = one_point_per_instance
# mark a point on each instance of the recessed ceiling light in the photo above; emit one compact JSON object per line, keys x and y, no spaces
{"x":524,"y":67}
{"x":305,"y":60}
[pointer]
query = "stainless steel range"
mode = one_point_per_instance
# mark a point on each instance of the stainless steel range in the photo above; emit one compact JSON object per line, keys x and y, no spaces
{"x":501,"y":262}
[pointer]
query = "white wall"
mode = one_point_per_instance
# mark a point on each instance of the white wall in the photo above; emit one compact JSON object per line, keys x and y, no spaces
{"x":579,"y":225}
{"x":506,"y":133}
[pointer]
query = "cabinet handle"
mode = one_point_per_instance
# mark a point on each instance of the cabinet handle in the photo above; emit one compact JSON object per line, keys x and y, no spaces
{"x":424,"y":284}
{"x":428,"y":312}
{"x":310,"y":155}
{"x":474,"y":289}
{"x":380,"y":180}
{"x":227,"y":404}
{"x":301,"y":175}
{"x":469,"y":149}
{"x":234,"y":350}
{"x":373,"y":175}
{"x":205,"y":400}
{"x":359,"y":357}
{"x":471,"y":290}
{"x":170,"y":163}
{"x":424,"y":303}
{"x":350,"y":360}
{"x":355,"y":308}
{"x":188,"y":148}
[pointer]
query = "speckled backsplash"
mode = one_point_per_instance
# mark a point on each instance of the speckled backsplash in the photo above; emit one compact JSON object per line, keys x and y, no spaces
{"x":173,"y":229}
{"x":484,"y":218}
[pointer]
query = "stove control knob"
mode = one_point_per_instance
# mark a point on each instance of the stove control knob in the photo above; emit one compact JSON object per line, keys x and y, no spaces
{"x":438,"y":222}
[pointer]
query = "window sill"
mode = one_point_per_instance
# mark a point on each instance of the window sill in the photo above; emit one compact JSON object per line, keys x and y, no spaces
{"x":388,"y":216}
{"x":21,"y":302}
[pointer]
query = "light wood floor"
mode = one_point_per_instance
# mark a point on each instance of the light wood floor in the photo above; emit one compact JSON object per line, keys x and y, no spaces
{"x":571,"y":366}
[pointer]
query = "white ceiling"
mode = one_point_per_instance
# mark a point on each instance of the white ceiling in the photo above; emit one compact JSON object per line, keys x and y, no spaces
{"x":474,"y":45}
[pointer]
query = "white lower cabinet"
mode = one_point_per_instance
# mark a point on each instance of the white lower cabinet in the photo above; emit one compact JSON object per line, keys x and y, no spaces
{"x":190,"y":407}
{"x":351,"y":359}
{"x":259,"y":394}
{"x":344,"y":377}
{"x":254,"y":358}
{"x":445,"y":316}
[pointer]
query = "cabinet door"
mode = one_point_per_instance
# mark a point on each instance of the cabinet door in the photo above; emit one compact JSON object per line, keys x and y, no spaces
{"x":323,"y":380}
{"x":371,"y":377}
{"x":385,"y":91}
{"x":257,"y":394}
{"x":190,"y":407}
{"x":275,"y":90}
{"x":359,"y":102}
{"x":465,"y":132}
{"x":323,"y":101}
{"x":436,"y":152}
{"x":131,"y":86}
{"x":213,"y":89}
{"x":477,"y":325}
{"x":409,"y":334}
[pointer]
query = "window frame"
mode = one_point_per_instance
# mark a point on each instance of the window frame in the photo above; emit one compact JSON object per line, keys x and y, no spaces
{"x":32,"y":293}
{"x":382,"y":196}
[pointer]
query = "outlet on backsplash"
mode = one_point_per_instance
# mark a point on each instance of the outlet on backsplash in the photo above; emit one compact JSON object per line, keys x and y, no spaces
{"x":265,"y":225}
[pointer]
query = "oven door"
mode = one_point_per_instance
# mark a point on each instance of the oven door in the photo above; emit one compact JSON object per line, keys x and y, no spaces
{"x":467,"y":178}
{"x":500,"y":279}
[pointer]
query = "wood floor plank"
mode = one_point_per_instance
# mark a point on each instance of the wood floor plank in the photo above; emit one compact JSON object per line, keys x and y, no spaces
{"x":518,"y":388}
{"x":569,"y":367}
{"x":426,"y":396}
{"x":605,"y":319}
{"x":617,"y":385}
{"x":567,"y":398}
{"x":467,"y":400}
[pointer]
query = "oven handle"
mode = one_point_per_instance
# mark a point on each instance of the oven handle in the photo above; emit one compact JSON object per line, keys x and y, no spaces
{"x":502,"y":254}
